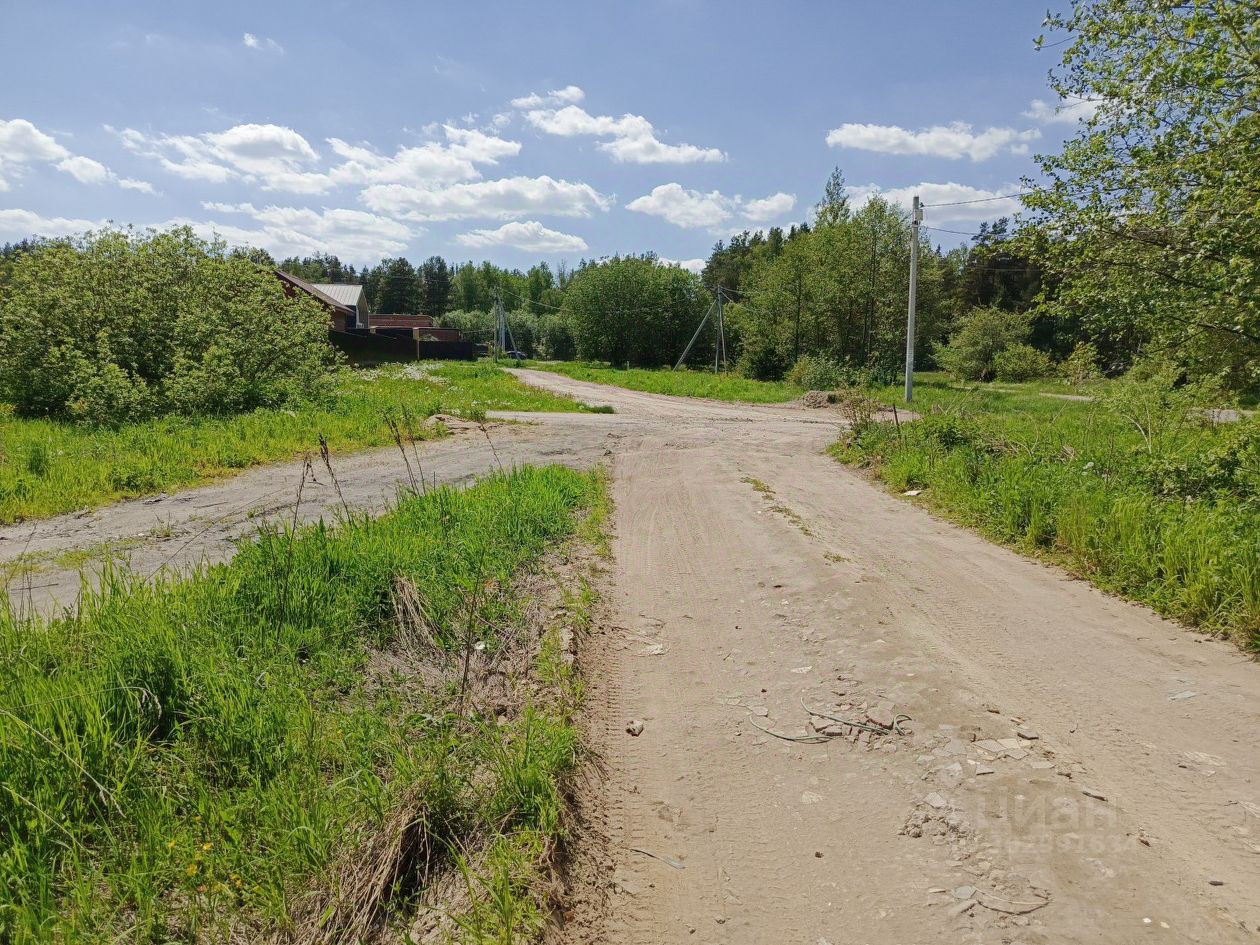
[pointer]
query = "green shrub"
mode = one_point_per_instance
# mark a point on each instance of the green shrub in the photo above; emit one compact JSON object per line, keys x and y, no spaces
{"x":631,"y":311}
{"x":815,"y":372}
{"x":1082,"y":364}
{"x":1230,"y":466}
{"x":762,"y":359}
{"x":1021,"y":362}
{"x":555,"y":338}
{"x":1152,"y":399}
{"x":982,"y":334}
{"x":115,"y":327}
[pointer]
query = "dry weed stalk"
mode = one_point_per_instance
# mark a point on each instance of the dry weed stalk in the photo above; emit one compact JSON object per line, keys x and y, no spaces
{"x":416,"y":630}
{"x":396,"y":859}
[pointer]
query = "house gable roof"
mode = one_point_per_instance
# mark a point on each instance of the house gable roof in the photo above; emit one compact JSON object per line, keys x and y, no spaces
{"x":315,"y":292}
{"x":344,"y":292}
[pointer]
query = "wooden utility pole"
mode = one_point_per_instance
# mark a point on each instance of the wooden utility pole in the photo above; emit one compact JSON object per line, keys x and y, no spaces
{"x":916,"y":217}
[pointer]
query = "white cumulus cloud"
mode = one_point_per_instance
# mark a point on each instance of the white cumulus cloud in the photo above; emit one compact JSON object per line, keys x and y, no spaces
{"x":508,"y":198}
{"x":530,"y":236}
{"x":632,"y":139}
{"x":565,"y":96}
{"x":21,"y":144}
{"x":1064,"y":112}
{"x":261,"y":43}
{"x":955,"y":140}
{"x":693,"y":208}
{"x":280,"y":159}
{"x":945,"y":202}
{"x":681,"y":207}
{"x":769,"y":208}
{"x":84,"y":169}
{"x":20,"y":224}
{"x":302,"y":231}
{"x":283,"y":231}
{"x":691,"y":265}
{"x":276,"y":157}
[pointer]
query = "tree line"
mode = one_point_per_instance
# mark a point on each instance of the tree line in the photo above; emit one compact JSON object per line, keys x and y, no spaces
{"x":434,"y":287}
{"x":1139,"y":240}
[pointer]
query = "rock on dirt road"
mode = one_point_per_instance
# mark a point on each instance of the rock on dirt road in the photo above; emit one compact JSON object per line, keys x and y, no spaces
{"x":1054,"y":783}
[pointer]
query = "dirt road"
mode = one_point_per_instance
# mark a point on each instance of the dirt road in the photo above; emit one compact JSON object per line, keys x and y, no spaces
{"x":753,"y":573}
{"x":1076,"y":769}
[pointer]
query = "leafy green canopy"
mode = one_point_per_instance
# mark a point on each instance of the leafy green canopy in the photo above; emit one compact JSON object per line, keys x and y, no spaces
{"x":633,"y":310}
{"x":838,"y":291}
{"x":982,"y":339}
{"x":115,"y":326}
{"x":1151,"y":216}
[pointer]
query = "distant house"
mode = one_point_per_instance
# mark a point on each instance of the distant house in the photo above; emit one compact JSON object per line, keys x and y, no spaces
{"x":340,"y":315}
{"x":350,"y":295}
{"x":374,"y":339}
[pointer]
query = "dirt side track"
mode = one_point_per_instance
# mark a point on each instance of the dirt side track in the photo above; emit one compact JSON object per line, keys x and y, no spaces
{"x":755,"y":576}
{"x":730,"y":601}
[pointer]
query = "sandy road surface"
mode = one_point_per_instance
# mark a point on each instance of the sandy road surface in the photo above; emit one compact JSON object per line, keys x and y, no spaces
{"x":753,"y":573}
{"x":204,"y":524}
{"x":731,"y":604}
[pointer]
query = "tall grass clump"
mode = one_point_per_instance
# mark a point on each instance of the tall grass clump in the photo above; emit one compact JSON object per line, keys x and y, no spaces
{"x":292,"y":741}
{"x":1140,"y":491}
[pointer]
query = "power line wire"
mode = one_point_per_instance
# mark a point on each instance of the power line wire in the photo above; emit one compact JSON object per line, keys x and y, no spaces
{"x":959,"y":203}
{"x":941,"y":229}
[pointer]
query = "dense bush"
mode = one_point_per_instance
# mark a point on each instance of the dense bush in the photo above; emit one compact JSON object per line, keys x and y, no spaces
{"x":982,"y":334}
{"x":555,"y":338}
{"x":1021,"y":362}
{"x":816,"y":372}
{"x":1082,"y":364}
{"x":1228,"y":466}
{"x":632,"y":311}
{"x":762,"y":359}
{"x":115,"y":327}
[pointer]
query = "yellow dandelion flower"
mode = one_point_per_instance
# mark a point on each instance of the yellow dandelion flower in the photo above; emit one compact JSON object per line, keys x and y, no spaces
{"x":207,"y":846}
{"x":192,"y":869}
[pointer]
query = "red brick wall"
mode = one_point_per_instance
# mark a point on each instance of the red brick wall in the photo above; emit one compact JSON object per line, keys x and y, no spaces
{"x":402,"y":321}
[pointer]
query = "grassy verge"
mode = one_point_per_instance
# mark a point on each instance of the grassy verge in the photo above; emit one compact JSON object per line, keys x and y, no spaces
{"x":683,"y":383}
{"x":300,"y":740}
{"x":48,"y":467}
{"x":1177,"y":528}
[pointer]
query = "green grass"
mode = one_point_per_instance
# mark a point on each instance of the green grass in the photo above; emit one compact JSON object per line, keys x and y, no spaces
{"x":49,"y":467}
{"x":1177,"y":529}
{"x":683,"y":383}
{"x":226,"y":755}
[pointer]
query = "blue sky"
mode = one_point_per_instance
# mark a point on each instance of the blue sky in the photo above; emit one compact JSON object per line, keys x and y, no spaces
{"x":511,"y":131}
